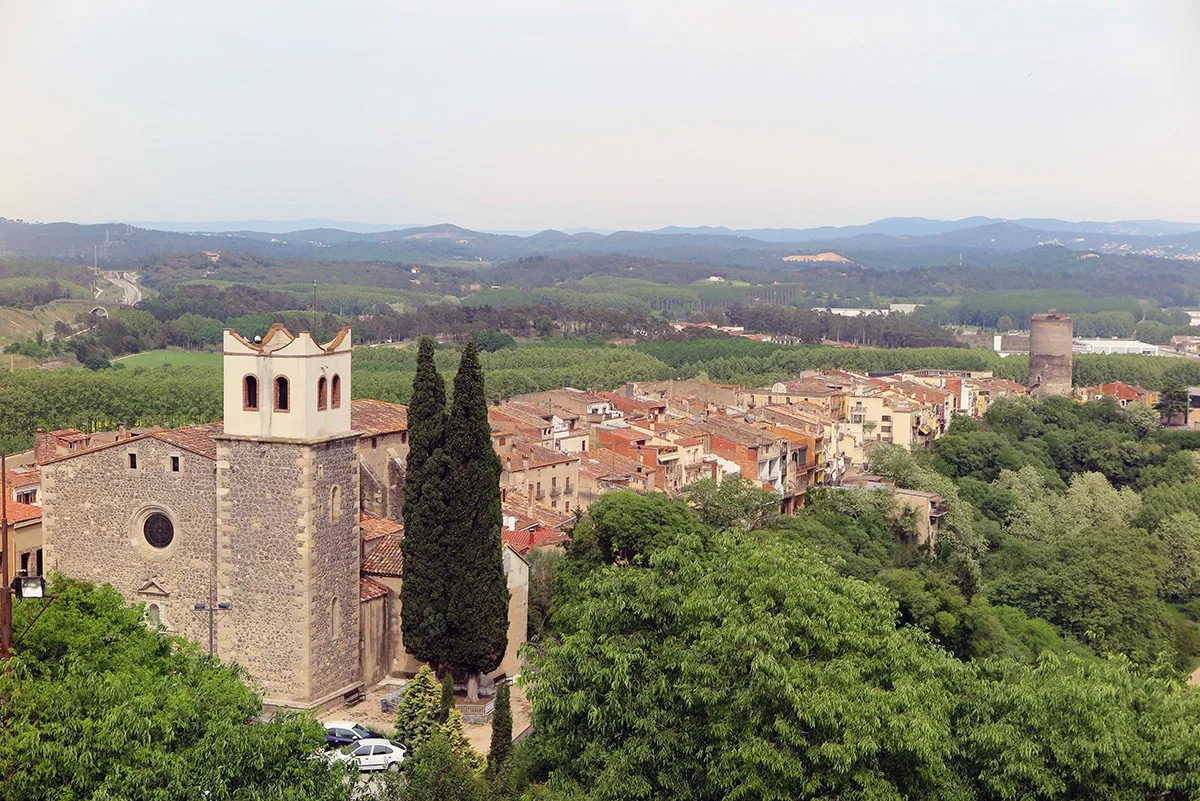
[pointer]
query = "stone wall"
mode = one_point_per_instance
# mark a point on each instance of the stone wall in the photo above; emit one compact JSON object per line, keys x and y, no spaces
{"x":1051,"y":352}
{"x":385,"y":455}
{"x":93,"y":510}
{"x":332,"y":530}
{"x":289,"y":570}
{"x":264,"y":559}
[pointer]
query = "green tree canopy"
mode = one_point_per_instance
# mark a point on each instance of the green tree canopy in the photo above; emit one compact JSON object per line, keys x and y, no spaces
{"x":97,"y":705}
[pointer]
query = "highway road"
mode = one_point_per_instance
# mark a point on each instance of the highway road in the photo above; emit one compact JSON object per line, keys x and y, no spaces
{"x":130,"y":292}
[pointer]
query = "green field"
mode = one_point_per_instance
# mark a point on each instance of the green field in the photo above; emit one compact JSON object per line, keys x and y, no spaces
{"x":21,"y":324}
{"x":173,"y":357}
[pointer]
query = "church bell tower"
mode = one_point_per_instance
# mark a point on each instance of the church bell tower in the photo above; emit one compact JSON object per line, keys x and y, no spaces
{"x":287,"y":516}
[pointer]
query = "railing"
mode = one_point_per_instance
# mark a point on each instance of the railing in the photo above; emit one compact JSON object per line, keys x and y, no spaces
{"x":555,"y":492}
{"x":537,"y":496}
{"x":477,"y":713}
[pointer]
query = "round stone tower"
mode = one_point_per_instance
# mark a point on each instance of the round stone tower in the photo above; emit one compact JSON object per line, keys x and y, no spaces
{"x":1050,"y":351}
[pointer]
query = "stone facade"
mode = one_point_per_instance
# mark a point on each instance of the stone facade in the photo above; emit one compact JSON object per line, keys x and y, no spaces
{"x":288,"y":564}
{"x":1051,"y":354}
{"x":93,"y":514}
{"x":383,"y":458}
{"x":259,"y":522}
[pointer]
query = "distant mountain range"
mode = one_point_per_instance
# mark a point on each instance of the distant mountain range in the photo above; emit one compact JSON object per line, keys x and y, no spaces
{"x":923,"y":226}
{"x":884,"y":242}
{"x":891,"y":226}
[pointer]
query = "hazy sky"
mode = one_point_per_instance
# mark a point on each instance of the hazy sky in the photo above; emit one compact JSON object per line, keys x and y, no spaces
{"x":528,"y":114}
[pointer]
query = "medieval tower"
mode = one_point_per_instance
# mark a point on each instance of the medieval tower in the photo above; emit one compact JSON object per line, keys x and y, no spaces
{"x":1051,"y":347}
{"x":287,"y":515}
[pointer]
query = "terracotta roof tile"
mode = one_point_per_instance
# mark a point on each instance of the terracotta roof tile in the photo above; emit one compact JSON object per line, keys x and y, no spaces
{"x":374,"y":417}
{"x":373,"y":528}
{"x":23,"y":477}
{"x":536,"y":455}
{"x":386,"y":560}
{"x":537,"y":537}
{"x":197,"y":439}
{"x":369,"y":589}
{"x":22,"y":512}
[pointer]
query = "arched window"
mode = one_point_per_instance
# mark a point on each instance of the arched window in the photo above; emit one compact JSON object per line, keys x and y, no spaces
{"x":322,"y":399}
{"x":335,"y":619}
{"x":281,"y":394}
{"x":335,"y":503}
{"x":250,"y":394}
{"x":153,"y":615}
{"x":335,"y":392}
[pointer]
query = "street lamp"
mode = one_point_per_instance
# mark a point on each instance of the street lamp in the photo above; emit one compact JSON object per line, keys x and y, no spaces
{"x":27,"y":586}
{"x":211,"y":609}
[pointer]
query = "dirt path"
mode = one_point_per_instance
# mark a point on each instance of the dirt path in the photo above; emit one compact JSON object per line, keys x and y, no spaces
{"x":1194,"y":679}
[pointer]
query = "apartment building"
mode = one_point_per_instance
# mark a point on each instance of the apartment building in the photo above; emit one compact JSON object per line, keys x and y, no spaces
{"x":547,"y":476}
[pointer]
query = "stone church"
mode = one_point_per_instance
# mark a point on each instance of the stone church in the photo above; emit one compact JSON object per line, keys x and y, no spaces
{"x":272,"y":538}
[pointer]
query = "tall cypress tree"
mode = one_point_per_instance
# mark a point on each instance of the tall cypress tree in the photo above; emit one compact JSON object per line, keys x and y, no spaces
{"x":478,"y":612}
{"x":424,"y":593}
{"x":502,"y":725}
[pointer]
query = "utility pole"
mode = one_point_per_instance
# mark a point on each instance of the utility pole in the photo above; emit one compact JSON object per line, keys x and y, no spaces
{"x":6,"y":623}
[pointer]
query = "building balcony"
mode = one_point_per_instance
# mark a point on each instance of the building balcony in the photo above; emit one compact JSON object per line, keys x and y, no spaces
{"x":555,"y":492}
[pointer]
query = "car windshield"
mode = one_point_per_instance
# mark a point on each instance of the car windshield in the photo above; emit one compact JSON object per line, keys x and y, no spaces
{"x":361,"y":732}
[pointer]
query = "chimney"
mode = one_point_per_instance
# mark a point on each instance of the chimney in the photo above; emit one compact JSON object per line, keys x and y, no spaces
{"x":44,"y":447}
{"x":122,"y":432}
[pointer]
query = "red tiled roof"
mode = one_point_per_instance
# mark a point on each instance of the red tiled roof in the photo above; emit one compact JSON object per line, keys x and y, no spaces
{"x":373,"y":528}
{"x":22,"y":512}
{"x":69,"y":434}
{"x":536,"y":455}
{"x":516,"y":504}
{"x":386,"y":560}
{"x":537,"y":537}
{"x":369,"y":589}
{"x":632,"y":404}
{"x":372,"y":418}
{"x":197,"y":439}
{"x":24,"y":478}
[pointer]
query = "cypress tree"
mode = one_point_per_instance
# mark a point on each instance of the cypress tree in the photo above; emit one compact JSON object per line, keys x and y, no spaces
{"x":501,"y":730}
{"x":478,"y":610}
{"x":447,"y":696}
{"x":424,"y":594}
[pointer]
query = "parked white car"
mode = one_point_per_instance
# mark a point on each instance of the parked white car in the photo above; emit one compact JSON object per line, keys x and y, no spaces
{"x":374,"y":753}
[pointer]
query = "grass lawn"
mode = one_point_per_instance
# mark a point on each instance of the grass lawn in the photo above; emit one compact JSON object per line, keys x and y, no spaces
{"x":173,"y":357}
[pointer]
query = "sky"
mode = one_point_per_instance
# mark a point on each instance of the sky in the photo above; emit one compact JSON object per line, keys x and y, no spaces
{"x":532,"y":114}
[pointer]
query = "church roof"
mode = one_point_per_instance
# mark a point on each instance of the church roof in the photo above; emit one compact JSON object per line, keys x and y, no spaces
{"x":386,"y":560}
{"x":372,"y":418}
{"x":375,"y":527}
{"x":197,"y":439}
{"x":369,"y":589}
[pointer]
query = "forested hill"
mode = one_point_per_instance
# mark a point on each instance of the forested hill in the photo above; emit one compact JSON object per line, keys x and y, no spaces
{"x":121,"y":244}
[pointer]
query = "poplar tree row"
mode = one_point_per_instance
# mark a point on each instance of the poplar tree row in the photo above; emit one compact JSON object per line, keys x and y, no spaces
{"x":454,"y":596}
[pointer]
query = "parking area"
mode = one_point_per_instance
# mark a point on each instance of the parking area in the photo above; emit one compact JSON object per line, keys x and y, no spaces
{"x":369,"y":714}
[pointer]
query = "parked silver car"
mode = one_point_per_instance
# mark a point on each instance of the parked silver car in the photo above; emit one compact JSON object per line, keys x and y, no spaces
{"x":374,"y":753}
